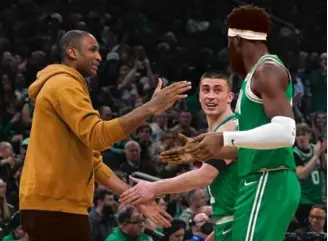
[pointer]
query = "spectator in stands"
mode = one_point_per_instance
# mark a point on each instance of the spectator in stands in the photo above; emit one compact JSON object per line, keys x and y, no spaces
{"x":101,"y":216}
{"x":176,"y":232}
{"x":23,"y":149}
{"x":207,"y":210}
{"x":196,"y":199}
{"x":184,"y":125}
{"x":126,"y":85}
{"x":317,"y":220}
{"x":308,"y":170}
{"x":132,"y":153}
{"x":139,"y":45}
{"x":319,"y":125}
{"x":318,"y":85}
{"x":16,"y":231}
{"x":144,"y":138}
{"x":6,"y":210}
{"x":159,"y":126}
{"x":201,"y":227}
{"x":7,"y":164}
{"x":105,"y":112}
{"x":131,"y":226}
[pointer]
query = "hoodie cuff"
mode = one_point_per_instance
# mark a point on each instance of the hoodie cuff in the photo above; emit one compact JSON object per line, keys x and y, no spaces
{"x":102,"y":174}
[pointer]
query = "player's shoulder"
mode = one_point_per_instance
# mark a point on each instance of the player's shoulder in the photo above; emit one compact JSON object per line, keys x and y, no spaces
{"x":270,"y":76}
{"x":270,"y":68}
{"x":229,"y":126}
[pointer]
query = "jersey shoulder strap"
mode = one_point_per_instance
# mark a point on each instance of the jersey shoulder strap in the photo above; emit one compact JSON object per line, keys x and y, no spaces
{"x":267,"y":58}
{"x":226,"y":120}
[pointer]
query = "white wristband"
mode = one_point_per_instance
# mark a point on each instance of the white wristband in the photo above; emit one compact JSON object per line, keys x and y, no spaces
{"x":281,"y":132}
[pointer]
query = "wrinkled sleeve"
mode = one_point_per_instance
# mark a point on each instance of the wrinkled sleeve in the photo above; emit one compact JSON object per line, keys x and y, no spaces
{"x":74,"y":108}
{"x":101,"y":171}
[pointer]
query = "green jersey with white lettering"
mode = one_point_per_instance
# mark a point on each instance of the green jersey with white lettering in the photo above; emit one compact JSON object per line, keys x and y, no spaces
{"x":251,"y":114}
{"x":224,"y":188}
{"x":311,"y":187}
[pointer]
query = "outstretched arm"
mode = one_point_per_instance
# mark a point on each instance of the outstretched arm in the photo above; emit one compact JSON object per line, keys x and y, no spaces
{"x":188,"y":181}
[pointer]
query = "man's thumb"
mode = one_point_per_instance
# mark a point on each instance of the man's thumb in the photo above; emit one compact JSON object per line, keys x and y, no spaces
{"x":135,"y":180}
{"x":159,"y":86}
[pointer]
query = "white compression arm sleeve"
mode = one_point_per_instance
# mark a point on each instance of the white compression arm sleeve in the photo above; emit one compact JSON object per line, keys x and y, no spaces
{"x":277,"y":134}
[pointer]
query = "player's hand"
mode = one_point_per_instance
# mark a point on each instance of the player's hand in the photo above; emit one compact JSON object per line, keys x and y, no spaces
{"x":179,"y":155}
{"x":142,"y":192}
{"x":165,"y":98}
{"x":156,"y":214}
{"x":208,"y":147}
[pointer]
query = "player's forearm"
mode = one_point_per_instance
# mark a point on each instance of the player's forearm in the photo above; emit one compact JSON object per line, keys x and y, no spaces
{"x":131,"y":121}
{"x":280,"y":132}
{"x":228,"y":153}
{"x":304,"y":171}
{"x":182,"y":183}
{"x":116,"y":185}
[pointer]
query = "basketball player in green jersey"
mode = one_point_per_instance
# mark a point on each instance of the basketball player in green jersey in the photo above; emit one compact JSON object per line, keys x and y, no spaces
{"x":269,"y":192}
{"x":215,"y":97}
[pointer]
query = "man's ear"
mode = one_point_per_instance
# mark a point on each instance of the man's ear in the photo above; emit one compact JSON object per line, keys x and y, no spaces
{"x":71,"y":52}
{"x":231,"y":96}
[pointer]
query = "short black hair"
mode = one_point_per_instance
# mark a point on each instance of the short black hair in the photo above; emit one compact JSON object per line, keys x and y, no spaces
{"x":125,"y":214}
{"x":100,"y":195}
{"x":217,"y":75}
{"x":70,"y":39}
{"x":249,"y":17}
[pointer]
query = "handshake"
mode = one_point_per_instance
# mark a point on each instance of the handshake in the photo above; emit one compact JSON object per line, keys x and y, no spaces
{"x":194,"y":149}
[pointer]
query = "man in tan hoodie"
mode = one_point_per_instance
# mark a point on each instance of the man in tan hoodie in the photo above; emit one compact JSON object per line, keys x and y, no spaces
{"x":63,"y":160}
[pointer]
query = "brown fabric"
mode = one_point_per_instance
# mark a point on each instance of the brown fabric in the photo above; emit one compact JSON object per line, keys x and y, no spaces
{"x":55,"y":226}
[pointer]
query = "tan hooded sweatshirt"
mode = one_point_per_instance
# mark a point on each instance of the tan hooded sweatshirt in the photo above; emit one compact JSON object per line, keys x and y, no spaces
{"x":63,"y":159}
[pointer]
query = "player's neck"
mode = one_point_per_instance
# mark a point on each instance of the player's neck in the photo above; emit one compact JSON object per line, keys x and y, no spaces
{"x":253,"y":53}
{"x":213,"y":121}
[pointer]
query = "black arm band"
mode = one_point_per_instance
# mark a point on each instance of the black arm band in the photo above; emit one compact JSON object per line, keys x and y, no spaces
{"x":217,"y":163}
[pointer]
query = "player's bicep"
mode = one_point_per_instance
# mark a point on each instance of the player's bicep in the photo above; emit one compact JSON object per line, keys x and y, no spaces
{"x":277,"y":105}
{"x":271,"y":82}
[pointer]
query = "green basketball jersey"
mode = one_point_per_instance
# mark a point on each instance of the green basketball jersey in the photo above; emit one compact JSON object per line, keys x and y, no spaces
{"x":311,"y":187}
{"x":251,"y":114}
{"x":224,"y":188}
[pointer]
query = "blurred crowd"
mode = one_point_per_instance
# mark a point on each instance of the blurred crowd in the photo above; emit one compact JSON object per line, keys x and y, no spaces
{"x":140,"y":41}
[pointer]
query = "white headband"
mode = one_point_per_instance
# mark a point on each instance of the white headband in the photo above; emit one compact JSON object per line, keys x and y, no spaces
{"x":246,"y":34}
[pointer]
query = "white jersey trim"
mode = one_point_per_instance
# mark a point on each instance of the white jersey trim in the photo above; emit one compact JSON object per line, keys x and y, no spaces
{"x":248,"y":90}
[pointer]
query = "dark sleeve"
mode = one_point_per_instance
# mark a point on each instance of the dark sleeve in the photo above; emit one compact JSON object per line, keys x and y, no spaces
{"x":217,"y":163}
{"x":95,"y":230}
{"x":298,"y":160}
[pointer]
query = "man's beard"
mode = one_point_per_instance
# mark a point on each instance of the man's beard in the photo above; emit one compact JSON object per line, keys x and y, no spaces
{"x":108,"y":210}
{"x":237,"y":63}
